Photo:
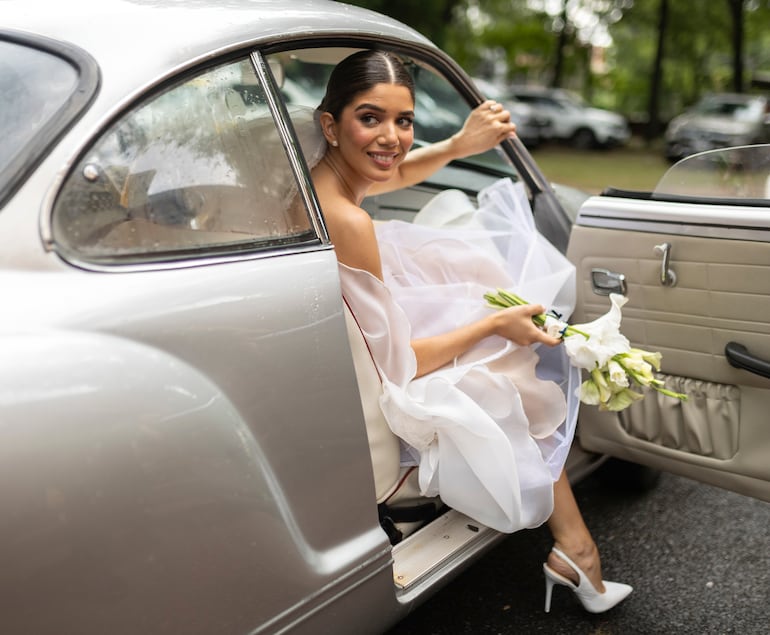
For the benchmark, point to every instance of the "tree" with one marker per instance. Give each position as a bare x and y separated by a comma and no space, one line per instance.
653,128
430,17
736,8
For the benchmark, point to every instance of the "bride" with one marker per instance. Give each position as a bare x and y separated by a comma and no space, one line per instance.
459,381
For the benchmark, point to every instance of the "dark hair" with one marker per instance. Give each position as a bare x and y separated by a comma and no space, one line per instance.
361,72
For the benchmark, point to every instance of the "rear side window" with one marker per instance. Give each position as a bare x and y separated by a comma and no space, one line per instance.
197,170
43,84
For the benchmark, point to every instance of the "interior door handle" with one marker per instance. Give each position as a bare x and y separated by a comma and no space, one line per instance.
667,275
605,282
739,357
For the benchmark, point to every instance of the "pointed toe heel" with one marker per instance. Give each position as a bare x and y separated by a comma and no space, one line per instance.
590,598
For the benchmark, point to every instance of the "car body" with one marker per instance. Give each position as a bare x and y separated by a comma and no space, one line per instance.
718,120
573,121
190,436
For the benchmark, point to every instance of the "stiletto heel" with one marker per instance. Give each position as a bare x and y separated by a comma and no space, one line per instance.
548,588
590,598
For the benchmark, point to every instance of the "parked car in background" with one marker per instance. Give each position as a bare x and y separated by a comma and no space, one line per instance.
190,435
574,121
718,120
532,127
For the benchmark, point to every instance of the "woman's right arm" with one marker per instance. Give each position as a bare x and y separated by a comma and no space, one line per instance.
514,323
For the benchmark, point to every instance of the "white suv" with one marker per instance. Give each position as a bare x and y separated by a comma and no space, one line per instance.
573,120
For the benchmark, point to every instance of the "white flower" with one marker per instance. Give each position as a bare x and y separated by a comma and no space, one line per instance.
617,374
589,393
605,339
553,326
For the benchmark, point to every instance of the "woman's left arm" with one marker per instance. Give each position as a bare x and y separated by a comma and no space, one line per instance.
486,126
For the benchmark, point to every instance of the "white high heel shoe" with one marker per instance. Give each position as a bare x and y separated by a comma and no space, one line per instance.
590,598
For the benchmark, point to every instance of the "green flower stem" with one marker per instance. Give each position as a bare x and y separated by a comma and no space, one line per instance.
655,384
504,299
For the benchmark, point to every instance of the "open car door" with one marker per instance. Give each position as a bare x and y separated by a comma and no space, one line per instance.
693,258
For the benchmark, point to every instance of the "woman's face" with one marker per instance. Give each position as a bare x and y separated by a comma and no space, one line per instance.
375,131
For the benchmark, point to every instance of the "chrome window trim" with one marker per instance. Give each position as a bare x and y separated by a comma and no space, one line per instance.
730,222
207,255
202,261
289,140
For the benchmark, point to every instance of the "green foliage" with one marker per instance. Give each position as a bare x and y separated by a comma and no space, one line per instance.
519,41
432,18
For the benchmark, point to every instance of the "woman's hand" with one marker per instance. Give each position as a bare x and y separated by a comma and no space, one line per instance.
515,323
486,126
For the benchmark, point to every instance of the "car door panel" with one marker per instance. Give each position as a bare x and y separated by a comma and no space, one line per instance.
721,295
219,416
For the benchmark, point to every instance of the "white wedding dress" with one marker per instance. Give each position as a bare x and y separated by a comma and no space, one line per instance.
491,431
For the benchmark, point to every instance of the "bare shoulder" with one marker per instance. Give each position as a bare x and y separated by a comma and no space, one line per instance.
351,231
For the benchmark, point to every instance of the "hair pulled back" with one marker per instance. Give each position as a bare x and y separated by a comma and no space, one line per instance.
360,72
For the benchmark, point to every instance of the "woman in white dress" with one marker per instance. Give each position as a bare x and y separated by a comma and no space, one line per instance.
459,382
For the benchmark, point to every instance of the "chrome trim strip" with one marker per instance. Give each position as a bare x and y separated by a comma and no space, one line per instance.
187,263
734,222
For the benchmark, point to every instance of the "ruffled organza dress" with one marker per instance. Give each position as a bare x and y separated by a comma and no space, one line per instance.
490,431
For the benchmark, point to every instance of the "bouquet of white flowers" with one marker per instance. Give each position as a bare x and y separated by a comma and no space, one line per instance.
600,349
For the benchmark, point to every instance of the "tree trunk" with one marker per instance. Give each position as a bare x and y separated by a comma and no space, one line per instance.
654,126
561,45
736,13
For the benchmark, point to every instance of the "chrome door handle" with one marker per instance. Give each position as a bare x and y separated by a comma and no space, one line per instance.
605,282
667,275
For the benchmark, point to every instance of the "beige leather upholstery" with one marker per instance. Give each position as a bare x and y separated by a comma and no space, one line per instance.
722,294
383,444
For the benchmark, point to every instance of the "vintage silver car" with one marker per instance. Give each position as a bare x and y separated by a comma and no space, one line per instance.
190,440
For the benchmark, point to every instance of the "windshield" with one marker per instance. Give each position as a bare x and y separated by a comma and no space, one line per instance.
729,173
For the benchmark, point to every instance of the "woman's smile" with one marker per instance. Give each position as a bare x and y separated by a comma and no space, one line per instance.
384,160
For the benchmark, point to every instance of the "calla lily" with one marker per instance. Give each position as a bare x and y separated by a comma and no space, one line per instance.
621,400
617,374
651,358
589,393
605,339
605,392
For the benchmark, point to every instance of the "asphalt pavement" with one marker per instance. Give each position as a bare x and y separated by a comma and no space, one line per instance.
697,556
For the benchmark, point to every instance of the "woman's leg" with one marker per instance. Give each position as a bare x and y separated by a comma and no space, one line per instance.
571,536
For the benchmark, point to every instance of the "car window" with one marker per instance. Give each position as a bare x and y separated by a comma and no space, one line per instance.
440,110
40,91
33,86
196,170
738,176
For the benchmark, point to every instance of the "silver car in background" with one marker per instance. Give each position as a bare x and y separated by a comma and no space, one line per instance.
718,120
190,436
574,121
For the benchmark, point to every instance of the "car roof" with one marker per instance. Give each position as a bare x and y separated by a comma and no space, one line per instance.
136,42
733,97
545,91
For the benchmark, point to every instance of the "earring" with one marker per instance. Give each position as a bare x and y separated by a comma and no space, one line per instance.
335,143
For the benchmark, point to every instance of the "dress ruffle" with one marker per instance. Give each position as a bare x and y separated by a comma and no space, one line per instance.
491,430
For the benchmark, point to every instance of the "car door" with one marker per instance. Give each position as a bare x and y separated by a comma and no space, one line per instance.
693,258
181,386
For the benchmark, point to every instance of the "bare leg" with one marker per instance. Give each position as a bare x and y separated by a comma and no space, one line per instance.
571,536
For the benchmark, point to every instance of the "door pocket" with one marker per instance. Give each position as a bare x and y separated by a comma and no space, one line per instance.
707,424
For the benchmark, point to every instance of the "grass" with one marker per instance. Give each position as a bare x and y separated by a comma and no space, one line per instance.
634,167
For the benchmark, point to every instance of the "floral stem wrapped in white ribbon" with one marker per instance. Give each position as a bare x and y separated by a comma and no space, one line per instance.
603,351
